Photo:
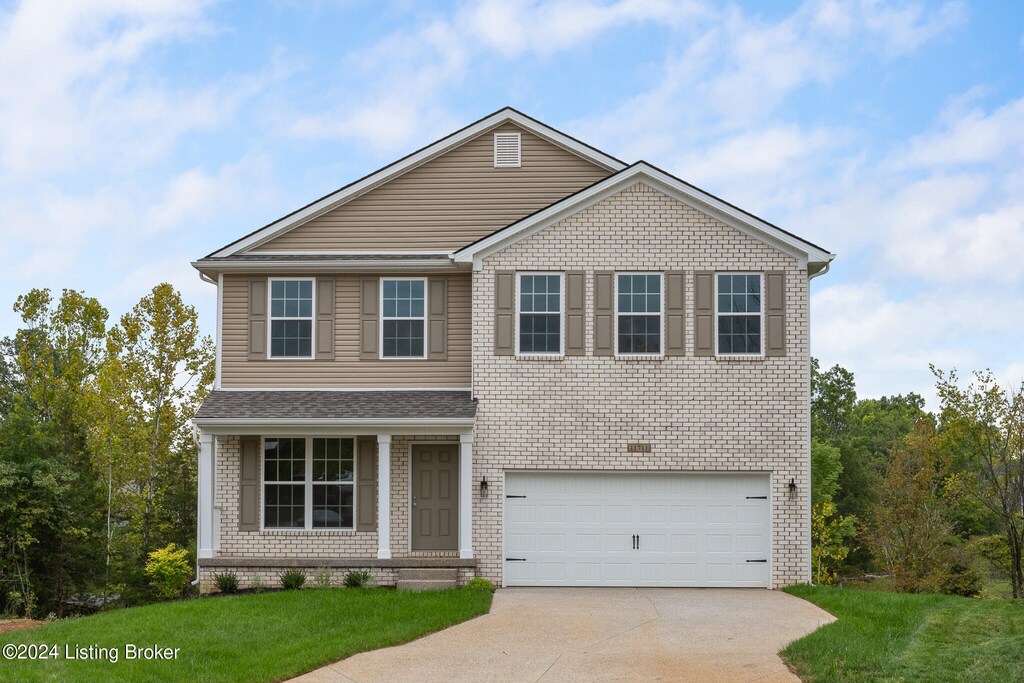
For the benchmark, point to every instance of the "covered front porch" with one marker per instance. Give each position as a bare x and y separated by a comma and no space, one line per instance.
329,480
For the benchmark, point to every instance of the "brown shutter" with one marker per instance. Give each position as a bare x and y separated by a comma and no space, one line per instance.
604,313
675,313
704,313
437,318
325,318
249,484
575,314
258,319
775,313
504,313
368,317
366,484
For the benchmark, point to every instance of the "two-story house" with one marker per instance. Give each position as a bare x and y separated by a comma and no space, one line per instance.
511,355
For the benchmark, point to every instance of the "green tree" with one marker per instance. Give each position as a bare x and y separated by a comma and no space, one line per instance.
833,396
910,529
826,466
987,421
157,371
49,489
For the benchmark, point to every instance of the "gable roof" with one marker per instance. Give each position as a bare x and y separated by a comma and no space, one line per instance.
420,156
662,181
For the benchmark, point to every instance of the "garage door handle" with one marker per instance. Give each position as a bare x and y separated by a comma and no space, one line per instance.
757,497
511,496
515,559
757,560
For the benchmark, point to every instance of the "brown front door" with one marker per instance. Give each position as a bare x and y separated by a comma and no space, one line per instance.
435,497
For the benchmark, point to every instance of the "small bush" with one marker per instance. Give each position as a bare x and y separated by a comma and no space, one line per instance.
226,582
257,583
322,577
359,579
956,579
479,583
168,570
293,579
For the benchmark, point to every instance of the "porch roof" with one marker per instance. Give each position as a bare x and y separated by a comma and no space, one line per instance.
343,406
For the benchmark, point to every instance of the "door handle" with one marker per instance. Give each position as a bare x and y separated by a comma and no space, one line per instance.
638,541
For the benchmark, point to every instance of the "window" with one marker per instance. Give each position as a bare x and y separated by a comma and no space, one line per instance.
638,313
507,150
739,313
291,318
540,314
403,323
308,483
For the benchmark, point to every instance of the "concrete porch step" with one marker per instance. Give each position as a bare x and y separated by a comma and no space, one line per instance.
428,574
423,585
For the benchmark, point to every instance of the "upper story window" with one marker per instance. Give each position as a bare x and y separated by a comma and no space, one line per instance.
540,314
507,150
403,319
308,483
638,311
291,318
739,313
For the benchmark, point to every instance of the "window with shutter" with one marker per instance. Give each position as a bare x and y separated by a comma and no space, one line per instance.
507,150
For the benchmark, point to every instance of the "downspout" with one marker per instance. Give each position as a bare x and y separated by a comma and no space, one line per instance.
810,544
195,438
199,523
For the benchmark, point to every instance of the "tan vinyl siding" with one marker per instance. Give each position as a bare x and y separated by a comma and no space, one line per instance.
346,370
447,202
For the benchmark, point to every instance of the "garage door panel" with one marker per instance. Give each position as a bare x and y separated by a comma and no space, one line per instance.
578,529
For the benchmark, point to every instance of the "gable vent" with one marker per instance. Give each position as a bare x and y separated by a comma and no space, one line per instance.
507,150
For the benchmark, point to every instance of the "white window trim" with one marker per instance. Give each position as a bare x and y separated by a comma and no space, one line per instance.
719,354
661,315
561,315
424,318
271,319
519,145
307,487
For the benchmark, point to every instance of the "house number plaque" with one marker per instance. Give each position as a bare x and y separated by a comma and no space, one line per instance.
638,448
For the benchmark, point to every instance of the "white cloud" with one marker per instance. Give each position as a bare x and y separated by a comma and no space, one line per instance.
970,137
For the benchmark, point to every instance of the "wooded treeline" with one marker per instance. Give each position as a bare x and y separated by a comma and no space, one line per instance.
97,458
933,502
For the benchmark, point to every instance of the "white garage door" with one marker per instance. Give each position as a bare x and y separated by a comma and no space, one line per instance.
647,529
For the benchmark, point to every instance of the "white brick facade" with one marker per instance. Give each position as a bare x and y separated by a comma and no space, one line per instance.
579,413
701,414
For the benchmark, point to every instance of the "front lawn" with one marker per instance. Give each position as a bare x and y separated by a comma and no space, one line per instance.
268,637
903,637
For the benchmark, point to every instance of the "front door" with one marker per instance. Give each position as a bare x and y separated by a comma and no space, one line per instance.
435,497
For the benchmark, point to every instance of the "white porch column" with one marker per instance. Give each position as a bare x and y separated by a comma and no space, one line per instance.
466,496
206,490
383,496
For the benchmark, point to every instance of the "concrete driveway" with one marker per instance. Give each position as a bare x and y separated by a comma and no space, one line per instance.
602,634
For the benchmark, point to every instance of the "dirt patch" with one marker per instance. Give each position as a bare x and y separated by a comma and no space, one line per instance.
10,625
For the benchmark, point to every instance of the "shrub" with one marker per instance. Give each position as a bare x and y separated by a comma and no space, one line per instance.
479,583
960,579
226,582
830,539
359,579
293,579
322,577
257,583
168,570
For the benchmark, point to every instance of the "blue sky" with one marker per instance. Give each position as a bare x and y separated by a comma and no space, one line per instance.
138,135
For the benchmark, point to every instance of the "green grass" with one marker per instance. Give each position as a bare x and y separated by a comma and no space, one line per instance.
902,637
268,637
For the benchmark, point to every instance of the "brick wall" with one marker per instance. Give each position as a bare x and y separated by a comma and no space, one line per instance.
701,414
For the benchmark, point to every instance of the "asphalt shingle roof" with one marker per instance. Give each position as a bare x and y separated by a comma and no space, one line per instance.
289,405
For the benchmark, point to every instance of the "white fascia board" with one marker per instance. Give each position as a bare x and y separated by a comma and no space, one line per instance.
354,427
313,266
387,173
660,181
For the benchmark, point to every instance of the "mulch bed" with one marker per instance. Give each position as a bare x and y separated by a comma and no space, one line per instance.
9,625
